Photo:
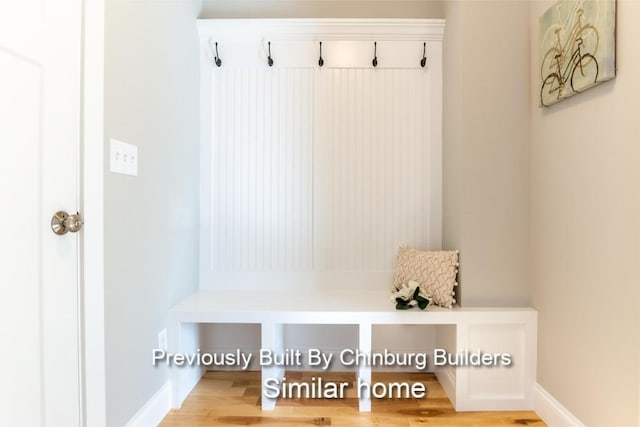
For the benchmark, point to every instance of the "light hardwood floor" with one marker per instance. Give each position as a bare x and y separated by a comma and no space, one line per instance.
233,399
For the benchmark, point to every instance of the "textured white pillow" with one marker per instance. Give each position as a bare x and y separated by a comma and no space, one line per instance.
435,271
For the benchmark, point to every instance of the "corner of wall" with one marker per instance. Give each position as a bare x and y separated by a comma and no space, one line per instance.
486,150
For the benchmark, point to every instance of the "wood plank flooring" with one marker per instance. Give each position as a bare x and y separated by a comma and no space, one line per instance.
224,398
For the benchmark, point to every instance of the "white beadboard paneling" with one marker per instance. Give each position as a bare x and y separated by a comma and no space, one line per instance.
261,175
318,171
372,166
312,177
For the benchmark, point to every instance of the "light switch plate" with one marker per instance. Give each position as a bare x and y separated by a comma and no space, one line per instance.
123,158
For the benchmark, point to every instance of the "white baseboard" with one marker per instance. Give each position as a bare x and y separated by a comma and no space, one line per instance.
552,412
154,410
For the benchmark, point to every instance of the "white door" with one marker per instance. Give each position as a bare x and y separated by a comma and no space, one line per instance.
39,279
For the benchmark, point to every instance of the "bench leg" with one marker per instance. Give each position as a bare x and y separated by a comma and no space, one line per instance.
364,369
184,338
272,339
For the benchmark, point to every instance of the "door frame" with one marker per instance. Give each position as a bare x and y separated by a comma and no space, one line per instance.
91,189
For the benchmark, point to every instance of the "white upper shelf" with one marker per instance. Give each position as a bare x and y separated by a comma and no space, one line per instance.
346,43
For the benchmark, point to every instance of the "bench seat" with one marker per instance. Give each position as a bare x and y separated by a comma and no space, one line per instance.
460,329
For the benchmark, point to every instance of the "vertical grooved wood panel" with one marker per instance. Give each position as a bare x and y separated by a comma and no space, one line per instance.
373,163
262,166
319,170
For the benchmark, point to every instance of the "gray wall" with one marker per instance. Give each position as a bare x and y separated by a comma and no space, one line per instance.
322,9
585,235
151,221
486,149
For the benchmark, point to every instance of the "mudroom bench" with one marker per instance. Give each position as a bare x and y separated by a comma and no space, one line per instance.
458,330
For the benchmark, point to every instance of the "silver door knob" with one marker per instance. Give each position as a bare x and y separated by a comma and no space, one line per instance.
62,222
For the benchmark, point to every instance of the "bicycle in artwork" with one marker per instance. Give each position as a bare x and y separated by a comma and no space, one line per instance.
581,71
570,66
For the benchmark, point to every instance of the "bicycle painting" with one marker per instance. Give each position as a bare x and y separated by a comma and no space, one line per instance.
577,48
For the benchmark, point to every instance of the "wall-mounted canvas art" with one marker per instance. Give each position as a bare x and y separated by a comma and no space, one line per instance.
577,47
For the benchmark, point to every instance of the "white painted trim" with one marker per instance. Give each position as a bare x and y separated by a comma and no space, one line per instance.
347,43
447,378
93,357
154,410
322,29
552,412
205,163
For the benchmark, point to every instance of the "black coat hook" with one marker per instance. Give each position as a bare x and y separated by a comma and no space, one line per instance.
423,61
218,61
321,61
269,59
375,54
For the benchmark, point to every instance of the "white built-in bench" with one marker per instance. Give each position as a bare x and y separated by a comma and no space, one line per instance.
304,196
491,330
